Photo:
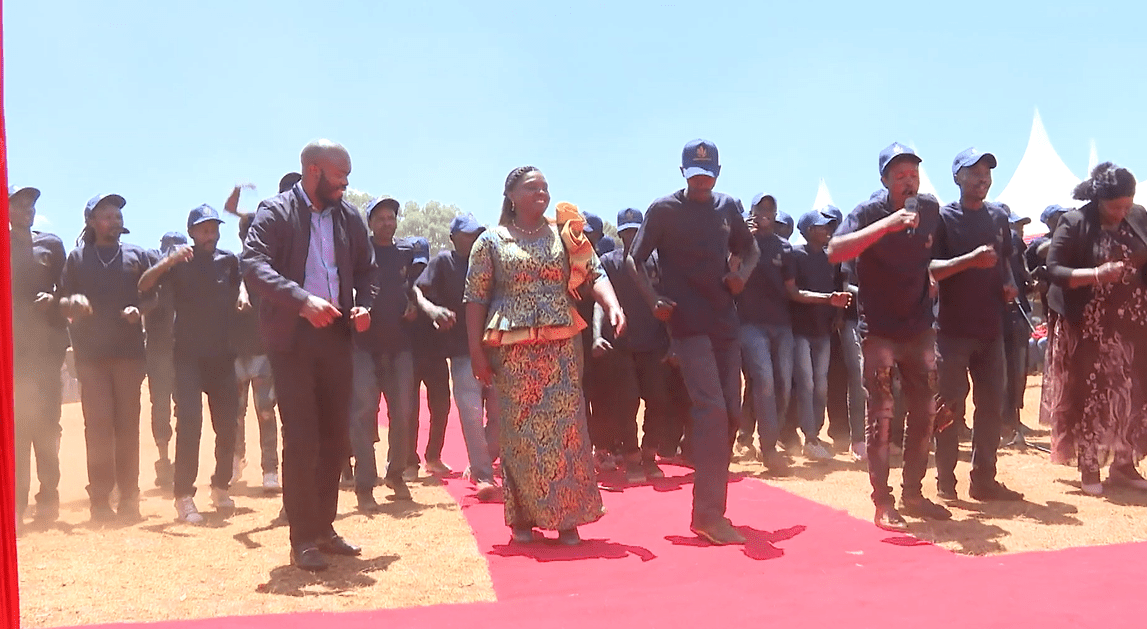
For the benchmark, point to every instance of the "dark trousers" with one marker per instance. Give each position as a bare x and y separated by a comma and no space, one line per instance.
313,382
161,390
37,387
631,377
1016,337
837,401
678,433
194,376
916,359
435,374
984,362
109,397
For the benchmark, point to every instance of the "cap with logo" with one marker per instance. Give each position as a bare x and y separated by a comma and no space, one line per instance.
783,219
1013,218
970,157
1051,211
833,211
465,224
418,246
374,203
15,190
593,223
761,197
629,218
95,201
893,151
202,214
814,218
699,157
170,240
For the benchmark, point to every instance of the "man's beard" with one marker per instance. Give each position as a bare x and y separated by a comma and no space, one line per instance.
326,191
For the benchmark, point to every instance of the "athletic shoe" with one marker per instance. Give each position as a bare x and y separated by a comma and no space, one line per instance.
221,499
271,483
185,510
859,451
889,519
488,492
776,463
1127,476
995,490
947,492
816,452
401,491
410,473
237,469
921,507
720,533
164,473
437,467
49,512
744,451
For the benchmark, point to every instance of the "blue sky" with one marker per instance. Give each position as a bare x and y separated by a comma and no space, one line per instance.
170,104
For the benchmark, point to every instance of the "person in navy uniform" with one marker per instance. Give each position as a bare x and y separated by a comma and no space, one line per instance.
204,283
309,258
159,344
893,246
99,295
430,369
39,342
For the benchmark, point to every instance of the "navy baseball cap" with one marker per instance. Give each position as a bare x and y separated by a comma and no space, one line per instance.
1015,219
377,201
202,214
420,247
699,157
15,190
894,150
605,245
466,224
593,223
1050,211
970,157
813,218
100,198
288,181
783,219
170,240
761,197
629,218
833,211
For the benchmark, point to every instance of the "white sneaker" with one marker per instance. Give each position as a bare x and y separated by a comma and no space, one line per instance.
817,452
237,469
271,482
221,499
859,451
185,510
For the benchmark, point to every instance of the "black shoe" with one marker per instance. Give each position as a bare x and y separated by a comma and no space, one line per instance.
921,507
889,519
102,513
336,545
401,491
993,490
47,512
367,503
128,511
164,473
308,558
947,492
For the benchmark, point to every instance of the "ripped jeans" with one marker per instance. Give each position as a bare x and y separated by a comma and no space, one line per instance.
916,360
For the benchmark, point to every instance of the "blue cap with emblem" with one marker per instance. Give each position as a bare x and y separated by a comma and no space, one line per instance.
699,157
814,218
420,247
170,240
1051,212
95,201
465,224
970,157
629,218
893,151
32,192
202,214
593,223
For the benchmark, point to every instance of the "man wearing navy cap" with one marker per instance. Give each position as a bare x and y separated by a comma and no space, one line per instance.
439,294
785,226
204,284
159,326
891,236
972,247
39,342
1017,334
309,258
694,230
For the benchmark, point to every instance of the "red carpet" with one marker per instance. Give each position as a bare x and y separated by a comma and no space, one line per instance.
805,565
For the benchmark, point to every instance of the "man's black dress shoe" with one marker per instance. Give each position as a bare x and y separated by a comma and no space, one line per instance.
336,545
308,558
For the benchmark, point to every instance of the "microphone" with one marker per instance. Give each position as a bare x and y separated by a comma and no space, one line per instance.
911,205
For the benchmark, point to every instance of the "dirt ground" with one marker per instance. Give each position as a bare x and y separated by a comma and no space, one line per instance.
74,573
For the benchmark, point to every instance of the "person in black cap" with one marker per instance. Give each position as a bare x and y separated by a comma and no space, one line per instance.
159,341
204,283
39,342
99,295
891,234
308,256
384,364
694,230
438,291
971,251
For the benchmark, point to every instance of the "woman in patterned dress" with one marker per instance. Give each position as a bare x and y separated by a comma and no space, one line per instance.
523,332
1095,382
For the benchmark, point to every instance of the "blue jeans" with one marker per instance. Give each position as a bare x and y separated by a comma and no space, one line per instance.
254,373
470,396
810,382
376,376
711,370
854,363
767,360
984,362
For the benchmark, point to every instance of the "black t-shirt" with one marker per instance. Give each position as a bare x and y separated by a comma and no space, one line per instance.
36,268
971,301
693,241
1019,276
109,278
388,333
204,291
443,282
813,272
644,332
765,299
893,271
247,337
159,322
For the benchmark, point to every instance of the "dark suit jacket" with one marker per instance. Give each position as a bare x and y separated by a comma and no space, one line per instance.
275,257
1074,246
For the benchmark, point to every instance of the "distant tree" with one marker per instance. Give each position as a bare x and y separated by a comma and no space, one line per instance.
357,198
431,221
610,230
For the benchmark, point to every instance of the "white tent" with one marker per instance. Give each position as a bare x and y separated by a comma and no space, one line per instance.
926,186
823,197
1141,193
1040,180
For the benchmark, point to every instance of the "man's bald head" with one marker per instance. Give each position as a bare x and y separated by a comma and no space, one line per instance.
326,167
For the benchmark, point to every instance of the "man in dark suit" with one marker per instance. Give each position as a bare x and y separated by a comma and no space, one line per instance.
308,257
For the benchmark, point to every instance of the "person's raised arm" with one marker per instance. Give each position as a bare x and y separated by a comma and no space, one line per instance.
850,245
155,272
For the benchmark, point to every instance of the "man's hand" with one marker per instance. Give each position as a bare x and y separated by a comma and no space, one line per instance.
360,318
130,314
243,304
984,257
182,253
600,347
319,312
443,318
79,306
840,300
44,301
663,309
480,365
1111,271
616,317
734,282
902,219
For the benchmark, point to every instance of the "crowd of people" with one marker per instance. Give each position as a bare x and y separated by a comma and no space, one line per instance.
550,336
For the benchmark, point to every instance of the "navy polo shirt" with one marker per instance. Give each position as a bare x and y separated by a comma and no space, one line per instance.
813,272
388,333
1019,252
108,277
36,268
443,282
159,322
693,241
765,299
972,300
204,291
644,333
893,271
247,338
